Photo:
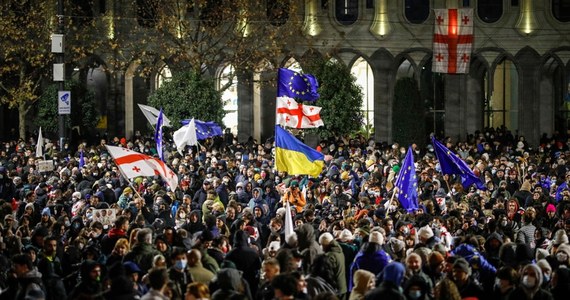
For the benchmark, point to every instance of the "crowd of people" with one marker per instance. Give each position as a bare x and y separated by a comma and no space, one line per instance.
83,231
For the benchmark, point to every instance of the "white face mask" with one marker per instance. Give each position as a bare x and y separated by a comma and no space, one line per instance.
561,257
529,282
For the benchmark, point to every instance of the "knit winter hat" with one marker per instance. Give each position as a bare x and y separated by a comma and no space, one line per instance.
397,245
46,212
434,259
346,236
462,264
425,232
550,208
376,237
560,237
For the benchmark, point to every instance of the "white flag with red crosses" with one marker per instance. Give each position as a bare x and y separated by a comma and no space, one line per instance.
452,40
296,115
134,164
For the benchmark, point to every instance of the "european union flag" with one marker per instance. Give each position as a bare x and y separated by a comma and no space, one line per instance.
451,164
407,183
205,130
296,85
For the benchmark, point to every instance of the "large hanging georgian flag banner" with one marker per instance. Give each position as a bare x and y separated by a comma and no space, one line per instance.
296,115
453,40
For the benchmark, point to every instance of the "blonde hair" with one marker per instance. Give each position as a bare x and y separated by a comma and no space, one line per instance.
122,242
198,290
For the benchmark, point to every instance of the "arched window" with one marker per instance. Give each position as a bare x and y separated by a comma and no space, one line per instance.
164,75
406,69
416,11
502,105
365,79
277,11
561,10
433,95
346,11
490,11
146,13
293,64
230,97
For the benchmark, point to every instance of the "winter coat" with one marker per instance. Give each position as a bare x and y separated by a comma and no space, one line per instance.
142,254
370,260
361,280
246,259
336,257
308,245
31,282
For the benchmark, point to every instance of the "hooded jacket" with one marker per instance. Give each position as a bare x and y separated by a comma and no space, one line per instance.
535,292
361,280
245,258
393,275
336,257
371,258
30,282
308,245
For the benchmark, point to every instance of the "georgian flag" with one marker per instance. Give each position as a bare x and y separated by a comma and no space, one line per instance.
453,40
133,164
296,115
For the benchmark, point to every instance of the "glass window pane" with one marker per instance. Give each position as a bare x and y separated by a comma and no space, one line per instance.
346,11
417,11
561,10
489,11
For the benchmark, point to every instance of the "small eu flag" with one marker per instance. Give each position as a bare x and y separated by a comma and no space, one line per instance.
296,85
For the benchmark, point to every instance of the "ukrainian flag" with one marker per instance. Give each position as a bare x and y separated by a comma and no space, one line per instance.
294,157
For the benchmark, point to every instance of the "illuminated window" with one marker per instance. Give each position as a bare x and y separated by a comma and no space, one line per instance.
489,11
164,75
365,79
502,106
346,11
230,97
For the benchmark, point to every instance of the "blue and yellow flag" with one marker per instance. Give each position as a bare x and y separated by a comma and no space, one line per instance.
294,157
407,183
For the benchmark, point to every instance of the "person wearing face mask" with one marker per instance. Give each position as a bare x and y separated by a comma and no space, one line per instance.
505,283
416,288
530,285
179,273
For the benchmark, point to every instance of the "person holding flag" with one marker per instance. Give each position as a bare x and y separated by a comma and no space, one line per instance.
406,184
452,164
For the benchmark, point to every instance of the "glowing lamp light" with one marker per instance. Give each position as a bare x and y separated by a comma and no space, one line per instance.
381,23
527,22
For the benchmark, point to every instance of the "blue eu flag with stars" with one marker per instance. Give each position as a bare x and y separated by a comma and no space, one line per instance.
407,183
296,85
451,164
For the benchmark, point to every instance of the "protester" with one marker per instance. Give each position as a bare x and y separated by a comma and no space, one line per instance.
81,221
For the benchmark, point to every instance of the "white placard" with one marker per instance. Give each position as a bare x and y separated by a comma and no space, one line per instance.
106,216
45,165
64,102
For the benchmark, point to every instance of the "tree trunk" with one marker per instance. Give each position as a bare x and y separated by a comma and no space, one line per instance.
22,112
